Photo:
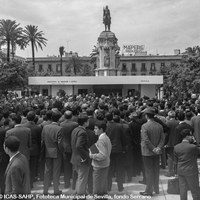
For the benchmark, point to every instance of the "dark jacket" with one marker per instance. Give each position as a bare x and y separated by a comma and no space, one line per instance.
117,137
24,135
79,143
68,126
35,138
185,157
152,136
178,138
171,134
17,176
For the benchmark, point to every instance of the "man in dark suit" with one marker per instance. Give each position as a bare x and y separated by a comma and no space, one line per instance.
152,141
135,126
17,173
196,125
182,125
118,140
47,120
35,144
52,136
23,134
80,154
172,123
185,157
92,138
4,159
68,126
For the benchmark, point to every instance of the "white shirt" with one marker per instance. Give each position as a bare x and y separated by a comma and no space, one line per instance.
13,156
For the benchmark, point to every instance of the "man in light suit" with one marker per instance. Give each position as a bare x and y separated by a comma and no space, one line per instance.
152,141
23,134
185,157
17,173
52,136
196,125
68,126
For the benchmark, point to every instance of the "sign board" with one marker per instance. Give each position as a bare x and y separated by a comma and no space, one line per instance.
94,80
131,49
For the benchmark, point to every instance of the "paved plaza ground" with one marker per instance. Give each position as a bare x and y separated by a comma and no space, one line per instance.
131,190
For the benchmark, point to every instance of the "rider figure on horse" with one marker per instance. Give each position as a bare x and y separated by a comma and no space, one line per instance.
106,18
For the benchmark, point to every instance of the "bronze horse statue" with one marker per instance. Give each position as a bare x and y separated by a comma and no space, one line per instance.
106,18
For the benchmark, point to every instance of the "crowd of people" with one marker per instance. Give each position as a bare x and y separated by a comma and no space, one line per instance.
91,140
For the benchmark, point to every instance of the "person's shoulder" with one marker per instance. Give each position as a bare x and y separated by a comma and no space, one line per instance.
177,146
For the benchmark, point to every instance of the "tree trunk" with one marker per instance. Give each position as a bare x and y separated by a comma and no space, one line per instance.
8,50
33,54
61,69
13,51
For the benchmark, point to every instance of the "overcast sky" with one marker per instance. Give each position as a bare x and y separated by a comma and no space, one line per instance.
160,25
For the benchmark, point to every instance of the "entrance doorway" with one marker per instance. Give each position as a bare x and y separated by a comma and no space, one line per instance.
44,92
107,90
83,91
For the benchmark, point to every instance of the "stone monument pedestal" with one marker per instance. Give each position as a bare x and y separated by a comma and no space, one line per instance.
108,48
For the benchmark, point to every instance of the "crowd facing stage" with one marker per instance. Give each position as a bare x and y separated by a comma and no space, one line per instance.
92,140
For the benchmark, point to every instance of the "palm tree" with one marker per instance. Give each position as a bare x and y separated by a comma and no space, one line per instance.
35,37
10,33
193,50
17,39
61,51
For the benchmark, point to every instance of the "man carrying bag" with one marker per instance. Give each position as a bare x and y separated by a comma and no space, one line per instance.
185,157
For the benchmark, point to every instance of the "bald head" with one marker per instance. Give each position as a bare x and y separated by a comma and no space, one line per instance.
68,114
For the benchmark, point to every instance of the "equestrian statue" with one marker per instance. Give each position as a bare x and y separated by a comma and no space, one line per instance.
106,18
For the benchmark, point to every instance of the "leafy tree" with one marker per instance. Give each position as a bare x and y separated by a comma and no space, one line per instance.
87,70
61,93
75,64
184,78
11,35
13,75
192,51
35,37
61,51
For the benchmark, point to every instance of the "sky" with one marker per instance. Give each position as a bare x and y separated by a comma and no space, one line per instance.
160,25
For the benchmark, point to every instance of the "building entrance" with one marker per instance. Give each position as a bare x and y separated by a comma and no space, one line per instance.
107,90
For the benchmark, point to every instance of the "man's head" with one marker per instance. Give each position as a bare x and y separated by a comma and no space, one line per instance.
11,144
185,132
56,115
149,113
100,127
68,114
83,120
198,108
31,116
171,114
48,114
109,116
16,119
187,135
181,116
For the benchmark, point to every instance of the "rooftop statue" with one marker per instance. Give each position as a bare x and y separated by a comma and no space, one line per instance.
106,18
